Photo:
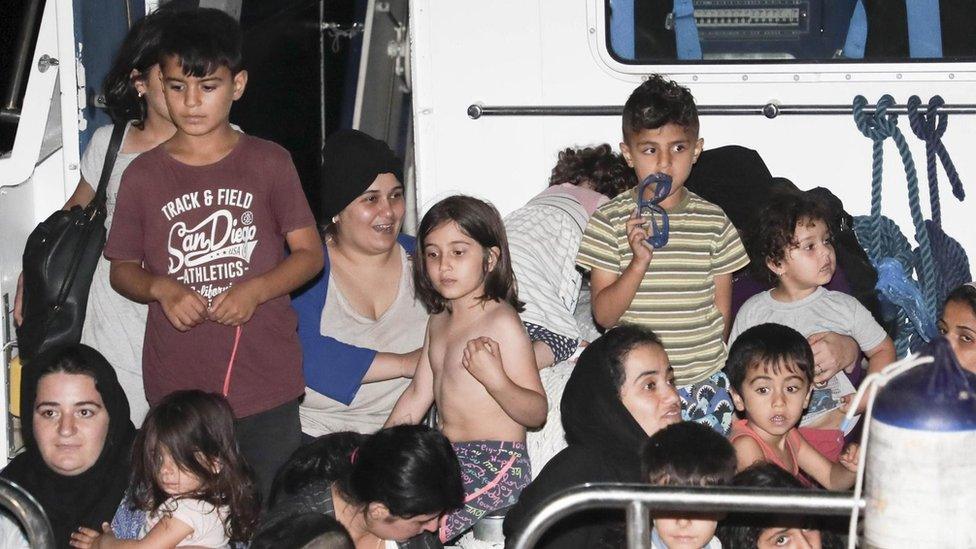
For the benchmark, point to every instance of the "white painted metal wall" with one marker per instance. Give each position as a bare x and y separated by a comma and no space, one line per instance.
31,186
552,52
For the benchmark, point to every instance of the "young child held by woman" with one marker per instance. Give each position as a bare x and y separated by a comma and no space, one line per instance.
687,454
188,477
771,369
793,249
477,363
958,324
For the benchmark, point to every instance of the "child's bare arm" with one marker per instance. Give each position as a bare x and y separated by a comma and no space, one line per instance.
183,307
881,356
747,453
613,293
507,370
166,534
237,305
878,357
832,476
723,301
413,404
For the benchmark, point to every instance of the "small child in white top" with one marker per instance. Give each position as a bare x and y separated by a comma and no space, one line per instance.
189,478
793,248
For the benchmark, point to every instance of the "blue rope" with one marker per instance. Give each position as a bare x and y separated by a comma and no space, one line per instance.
948,253
930,128
878,127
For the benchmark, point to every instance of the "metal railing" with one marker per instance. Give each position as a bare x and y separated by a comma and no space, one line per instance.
28,513
769,110
640,500
10,109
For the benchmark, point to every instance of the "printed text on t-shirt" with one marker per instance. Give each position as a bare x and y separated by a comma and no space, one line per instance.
209,255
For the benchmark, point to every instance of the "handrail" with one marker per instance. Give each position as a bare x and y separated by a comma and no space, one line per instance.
769,110
28,512
639,499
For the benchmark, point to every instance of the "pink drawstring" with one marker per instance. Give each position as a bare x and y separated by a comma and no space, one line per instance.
230,364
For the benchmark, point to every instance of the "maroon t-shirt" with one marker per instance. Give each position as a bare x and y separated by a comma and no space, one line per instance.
210,227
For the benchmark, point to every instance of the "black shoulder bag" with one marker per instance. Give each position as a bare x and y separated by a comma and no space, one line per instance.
59,263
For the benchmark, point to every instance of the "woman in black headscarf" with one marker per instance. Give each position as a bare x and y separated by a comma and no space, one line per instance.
77,437
621,392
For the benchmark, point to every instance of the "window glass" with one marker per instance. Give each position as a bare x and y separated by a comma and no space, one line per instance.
750,31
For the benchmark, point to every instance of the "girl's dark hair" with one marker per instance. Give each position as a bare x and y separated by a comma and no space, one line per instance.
599,167
771,238
688,454
139,51
411,469
614,346
772,346
656,103
480,221
964,294
299,531
204,40
197,430
742,530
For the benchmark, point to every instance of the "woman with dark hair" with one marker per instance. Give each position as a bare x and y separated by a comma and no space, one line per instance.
77,440
391,486
133,93
360,326
621,392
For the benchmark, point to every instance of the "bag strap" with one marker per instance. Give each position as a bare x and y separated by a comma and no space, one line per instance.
114,144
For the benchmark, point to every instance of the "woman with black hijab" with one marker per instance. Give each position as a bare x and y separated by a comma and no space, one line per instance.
621,392
77,437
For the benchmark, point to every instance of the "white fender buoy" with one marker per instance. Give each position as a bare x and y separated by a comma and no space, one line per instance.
920,480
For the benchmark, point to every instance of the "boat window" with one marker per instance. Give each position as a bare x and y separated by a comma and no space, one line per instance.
790,31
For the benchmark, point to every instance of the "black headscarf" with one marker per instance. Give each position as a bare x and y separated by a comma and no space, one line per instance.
351,160
594,416
604,446
92,497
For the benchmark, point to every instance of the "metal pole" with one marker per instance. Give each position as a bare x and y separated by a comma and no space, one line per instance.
666,498
18,67
769,110
638,526
28,513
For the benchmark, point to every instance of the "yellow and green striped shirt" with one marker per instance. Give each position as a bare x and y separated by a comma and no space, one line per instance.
676,298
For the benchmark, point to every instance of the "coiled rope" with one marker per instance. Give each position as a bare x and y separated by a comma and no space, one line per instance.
950,257
880,233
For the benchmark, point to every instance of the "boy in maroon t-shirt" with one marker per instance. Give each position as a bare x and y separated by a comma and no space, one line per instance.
199,234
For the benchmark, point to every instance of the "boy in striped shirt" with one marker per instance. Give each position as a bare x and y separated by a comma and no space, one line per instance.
682,290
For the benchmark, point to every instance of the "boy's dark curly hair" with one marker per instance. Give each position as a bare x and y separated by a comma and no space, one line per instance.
771,237
658,102
598,168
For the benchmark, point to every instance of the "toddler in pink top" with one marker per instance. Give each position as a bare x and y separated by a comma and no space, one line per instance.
771,370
